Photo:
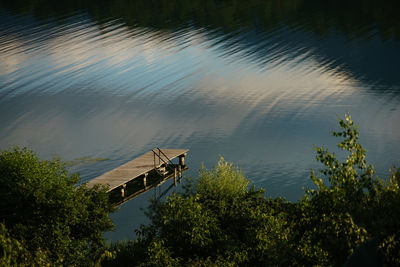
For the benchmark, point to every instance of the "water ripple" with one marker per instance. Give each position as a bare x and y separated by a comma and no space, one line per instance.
260,97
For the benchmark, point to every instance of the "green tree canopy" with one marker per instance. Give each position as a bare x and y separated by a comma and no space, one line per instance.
42,207
350,217
219,220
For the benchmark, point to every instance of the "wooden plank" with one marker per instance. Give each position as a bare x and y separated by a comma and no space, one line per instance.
135,168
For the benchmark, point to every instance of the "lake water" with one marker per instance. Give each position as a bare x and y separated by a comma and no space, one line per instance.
257,82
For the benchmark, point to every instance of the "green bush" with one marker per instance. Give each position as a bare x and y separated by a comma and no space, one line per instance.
14,252
41,206
220,221
351,207
352,216
224,181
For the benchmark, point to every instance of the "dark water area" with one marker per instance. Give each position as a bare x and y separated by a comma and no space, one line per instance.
257,82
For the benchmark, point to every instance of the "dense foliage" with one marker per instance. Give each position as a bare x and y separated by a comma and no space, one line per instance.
43,212
351,217
350,207
219,220
14,253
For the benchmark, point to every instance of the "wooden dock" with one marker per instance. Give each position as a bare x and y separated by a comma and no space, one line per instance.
157,162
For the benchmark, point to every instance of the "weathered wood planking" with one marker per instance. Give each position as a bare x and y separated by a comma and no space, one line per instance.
135,168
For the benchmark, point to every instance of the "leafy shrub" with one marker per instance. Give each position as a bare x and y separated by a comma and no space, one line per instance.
224,181
221,221
41,206
14,252
351,207
351,217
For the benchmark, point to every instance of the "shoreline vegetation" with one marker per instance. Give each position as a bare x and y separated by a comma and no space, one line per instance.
351,217
228,15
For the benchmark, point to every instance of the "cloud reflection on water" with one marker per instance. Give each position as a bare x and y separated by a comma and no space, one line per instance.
113,71
80,89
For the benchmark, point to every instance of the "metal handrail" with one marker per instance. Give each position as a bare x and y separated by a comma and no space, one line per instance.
168,159
160,158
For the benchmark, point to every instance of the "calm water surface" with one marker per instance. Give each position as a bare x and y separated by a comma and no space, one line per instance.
259,83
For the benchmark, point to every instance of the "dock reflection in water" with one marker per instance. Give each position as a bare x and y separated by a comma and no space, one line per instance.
142,173
136,187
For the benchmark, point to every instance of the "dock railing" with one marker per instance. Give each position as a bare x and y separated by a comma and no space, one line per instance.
160,159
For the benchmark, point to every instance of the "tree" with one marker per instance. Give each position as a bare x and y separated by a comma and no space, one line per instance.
349,207
42,206
219,220
15,253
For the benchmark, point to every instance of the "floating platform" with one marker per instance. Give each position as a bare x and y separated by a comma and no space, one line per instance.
142,173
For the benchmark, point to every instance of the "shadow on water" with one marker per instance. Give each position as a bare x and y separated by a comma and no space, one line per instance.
143,184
